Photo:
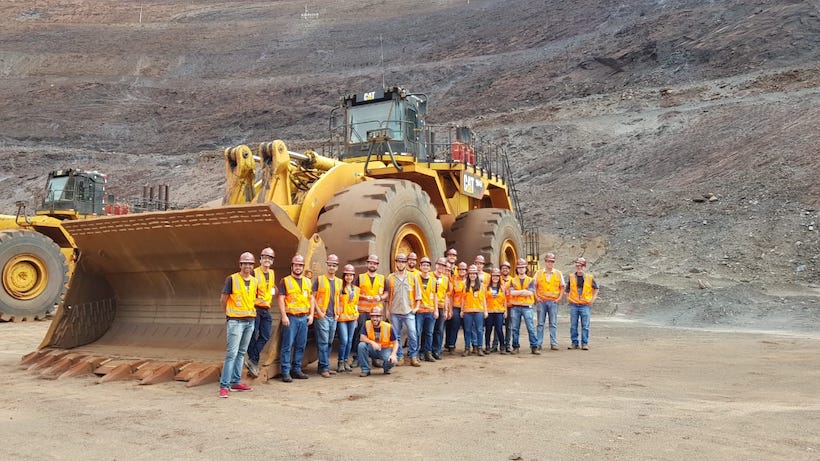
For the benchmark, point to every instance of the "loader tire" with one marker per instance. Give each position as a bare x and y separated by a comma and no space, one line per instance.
34,274
491,232
382,217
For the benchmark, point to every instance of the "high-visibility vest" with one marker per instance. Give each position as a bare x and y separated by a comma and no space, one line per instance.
323,290
442,290
384,333
428,294
266,287
548,289
586,292
474,300
348,304
411,281
241,300
496,302
370,288
516,284
297,295
459,284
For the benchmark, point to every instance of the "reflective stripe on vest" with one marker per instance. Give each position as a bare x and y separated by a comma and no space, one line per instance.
515,284
548,290
496,302
384,333
240,301
442,290
297,299
348,305
368,288
323,290
586,294
266,287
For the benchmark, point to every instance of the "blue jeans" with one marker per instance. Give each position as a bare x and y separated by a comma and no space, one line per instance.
294,339
545,309
507,333
517,312
346,330
363,317
453,325
576,312
473,329
237,337
425,324
366,351
261,334
494,320
438,332
325,331
407,321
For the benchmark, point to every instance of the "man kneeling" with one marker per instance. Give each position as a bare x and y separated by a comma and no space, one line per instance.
377,342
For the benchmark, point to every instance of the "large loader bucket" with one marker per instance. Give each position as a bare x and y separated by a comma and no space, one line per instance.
147,286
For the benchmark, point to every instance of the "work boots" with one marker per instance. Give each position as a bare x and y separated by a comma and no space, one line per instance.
478,351
535,351
428,357
348,366
340,367
466,352
415,362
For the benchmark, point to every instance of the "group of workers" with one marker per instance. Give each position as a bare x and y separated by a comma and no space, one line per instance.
429,302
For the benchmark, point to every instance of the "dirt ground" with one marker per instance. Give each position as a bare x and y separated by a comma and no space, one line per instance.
641,392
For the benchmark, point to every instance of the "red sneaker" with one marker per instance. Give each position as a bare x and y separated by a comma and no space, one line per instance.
223,392
241,387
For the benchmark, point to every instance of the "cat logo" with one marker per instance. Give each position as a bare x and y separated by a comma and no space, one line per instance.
472,185
369,96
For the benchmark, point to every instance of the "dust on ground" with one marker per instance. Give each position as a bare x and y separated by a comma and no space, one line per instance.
641,392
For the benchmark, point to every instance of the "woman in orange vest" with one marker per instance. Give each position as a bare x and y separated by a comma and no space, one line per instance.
347,315
496,310
474,312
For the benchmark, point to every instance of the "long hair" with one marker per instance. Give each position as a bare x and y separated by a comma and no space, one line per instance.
469,285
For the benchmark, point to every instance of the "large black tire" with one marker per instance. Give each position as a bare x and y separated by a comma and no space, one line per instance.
34,275
491,232
382,217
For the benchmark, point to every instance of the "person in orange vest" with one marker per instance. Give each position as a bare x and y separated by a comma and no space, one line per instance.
377,341
505,282
549,289
443,301
296,306
582,291
347,315
521,299
327,289
237,300
266,283
428,312
483,276
452,257
458,282
474,312
496,310
371,290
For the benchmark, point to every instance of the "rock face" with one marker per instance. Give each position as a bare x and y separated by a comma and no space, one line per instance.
655,136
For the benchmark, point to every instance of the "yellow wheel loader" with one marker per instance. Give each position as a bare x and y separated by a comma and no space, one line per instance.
37,255
144,299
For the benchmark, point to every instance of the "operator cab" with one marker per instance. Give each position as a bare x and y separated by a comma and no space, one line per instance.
73,193
389,120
